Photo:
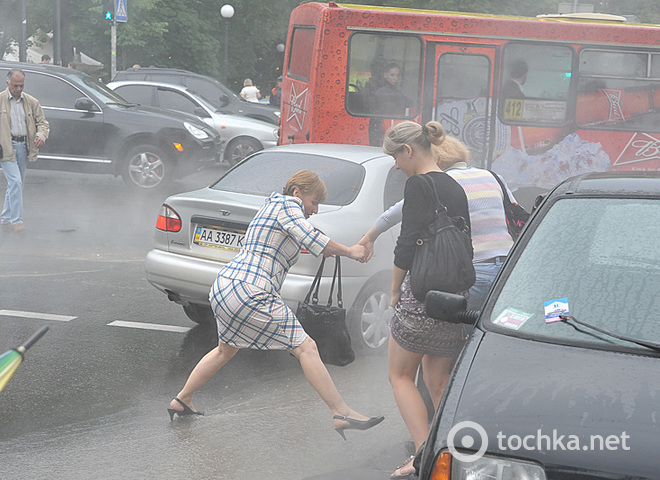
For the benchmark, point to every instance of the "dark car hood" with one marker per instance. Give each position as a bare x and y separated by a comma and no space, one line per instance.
522,387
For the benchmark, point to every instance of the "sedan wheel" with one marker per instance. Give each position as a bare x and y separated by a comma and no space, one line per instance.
240,148
201,314
146,167
371,319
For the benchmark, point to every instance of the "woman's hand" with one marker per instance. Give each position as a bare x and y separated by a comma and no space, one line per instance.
369,248
357,252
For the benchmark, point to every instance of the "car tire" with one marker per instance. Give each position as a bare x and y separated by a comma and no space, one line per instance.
369,321
146,168
201,314
239,148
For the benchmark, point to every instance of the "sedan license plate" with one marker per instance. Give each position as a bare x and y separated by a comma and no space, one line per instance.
214,237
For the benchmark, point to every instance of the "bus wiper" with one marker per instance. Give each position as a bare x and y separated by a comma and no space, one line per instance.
650,345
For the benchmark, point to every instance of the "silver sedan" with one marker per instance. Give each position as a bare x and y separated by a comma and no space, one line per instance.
242,135
198,232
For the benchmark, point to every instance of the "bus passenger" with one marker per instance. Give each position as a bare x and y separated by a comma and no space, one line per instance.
513,88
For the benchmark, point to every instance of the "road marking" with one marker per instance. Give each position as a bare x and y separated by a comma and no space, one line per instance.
41,316
149,326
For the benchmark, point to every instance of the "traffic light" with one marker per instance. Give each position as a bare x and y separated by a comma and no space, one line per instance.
108,15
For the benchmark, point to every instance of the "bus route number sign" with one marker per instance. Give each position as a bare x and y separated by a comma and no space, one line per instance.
513,109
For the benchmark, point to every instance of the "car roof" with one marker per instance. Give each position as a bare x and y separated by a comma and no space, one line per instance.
351,153
175,86
611,184
41,67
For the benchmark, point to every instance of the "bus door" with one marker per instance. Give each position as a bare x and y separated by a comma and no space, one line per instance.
458,85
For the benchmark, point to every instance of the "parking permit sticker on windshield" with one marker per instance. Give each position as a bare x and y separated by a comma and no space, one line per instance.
512,318
553,308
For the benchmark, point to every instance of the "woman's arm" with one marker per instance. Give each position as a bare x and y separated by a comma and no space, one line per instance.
385,221
356,252
397,280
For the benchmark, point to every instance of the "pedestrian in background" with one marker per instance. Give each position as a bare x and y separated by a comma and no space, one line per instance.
23,131
276,93
250,92
45,58
415,338
249,310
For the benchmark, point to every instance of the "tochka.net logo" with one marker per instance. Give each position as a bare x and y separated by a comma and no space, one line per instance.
541,440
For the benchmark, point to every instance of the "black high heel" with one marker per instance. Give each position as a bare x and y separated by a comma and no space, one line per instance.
182,413
354,424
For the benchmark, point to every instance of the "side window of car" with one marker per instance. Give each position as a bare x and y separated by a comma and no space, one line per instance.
394,185
205,88
165,78
51,91
173,100
141,94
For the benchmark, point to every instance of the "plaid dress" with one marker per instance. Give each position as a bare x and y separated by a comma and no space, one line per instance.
249,310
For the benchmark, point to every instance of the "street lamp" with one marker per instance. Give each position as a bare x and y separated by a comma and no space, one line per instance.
227,11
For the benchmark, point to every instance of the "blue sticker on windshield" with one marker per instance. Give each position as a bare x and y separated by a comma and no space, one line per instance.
554,308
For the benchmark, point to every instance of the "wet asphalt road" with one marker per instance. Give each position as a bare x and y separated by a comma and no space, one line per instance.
90,399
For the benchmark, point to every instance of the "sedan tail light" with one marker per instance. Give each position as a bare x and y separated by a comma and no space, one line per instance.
168,220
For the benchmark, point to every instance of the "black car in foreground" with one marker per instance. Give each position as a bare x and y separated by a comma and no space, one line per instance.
94,130
560,378
222,98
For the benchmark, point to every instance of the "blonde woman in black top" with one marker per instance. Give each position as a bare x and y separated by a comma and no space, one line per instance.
416,338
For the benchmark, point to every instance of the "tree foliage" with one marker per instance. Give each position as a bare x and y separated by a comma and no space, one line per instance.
190,34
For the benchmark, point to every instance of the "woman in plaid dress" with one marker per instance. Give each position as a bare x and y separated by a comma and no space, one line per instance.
249,310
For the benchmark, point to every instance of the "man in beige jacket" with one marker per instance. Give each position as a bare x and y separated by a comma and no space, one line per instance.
23,131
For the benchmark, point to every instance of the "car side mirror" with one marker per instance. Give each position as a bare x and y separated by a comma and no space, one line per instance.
224,100
201,113
84,103
450,308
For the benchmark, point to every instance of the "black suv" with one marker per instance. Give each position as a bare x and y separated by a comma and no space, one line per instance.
212,90
94,130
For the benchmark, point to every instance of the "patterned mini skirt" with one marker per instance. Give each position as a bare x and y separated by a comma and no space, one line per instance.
413,330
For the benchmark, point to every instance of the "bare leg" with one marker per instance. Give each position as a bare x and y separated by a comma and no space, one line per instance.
319,378
436,375
402,366
203,371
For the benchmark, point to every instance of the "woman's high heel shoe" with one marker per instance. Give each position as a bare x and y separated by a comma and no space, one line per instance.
354,424
182,413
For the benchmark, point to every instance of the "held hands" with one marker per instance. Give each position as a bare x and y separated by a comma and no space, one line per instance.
369,249
357,252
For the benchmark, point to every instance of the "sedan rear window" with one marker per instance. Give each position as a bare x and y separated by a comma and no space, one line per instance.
598,257
267,172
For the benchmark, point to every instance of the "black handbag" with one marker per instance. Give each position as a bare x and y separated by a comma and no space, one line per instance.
443,256
516,216
326,324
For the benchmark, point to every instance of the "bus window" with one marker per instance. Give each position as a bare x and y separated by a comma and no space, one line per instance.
300,57
535,84
384,75
618,90
462,99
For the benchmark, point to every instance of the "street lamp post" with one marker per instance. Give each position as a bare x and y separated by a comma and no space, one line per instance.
227,11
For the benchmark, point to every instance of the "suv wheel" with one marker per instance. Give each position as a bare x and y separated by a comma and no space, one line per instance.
240,148
146,167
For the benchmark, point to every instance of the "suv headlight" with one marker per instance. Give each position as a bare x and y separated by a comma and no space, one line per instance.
198,133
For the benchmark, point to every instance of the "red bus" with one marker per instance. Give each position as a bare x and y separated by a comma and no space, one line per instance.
535,99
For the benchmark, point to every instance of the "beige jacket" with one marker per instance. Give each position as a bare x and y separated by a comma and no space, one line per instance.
37,125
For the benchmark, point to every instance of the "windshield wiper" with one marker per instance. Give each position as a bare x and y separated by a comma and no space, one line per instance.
650,345
124,104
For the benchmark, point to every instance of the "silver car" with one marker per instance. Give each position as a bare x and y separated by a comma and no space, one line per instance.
198,232
242,135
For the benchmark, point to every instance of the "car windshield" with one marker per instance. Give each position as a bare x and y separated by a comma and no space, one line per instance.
268,172
600,259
